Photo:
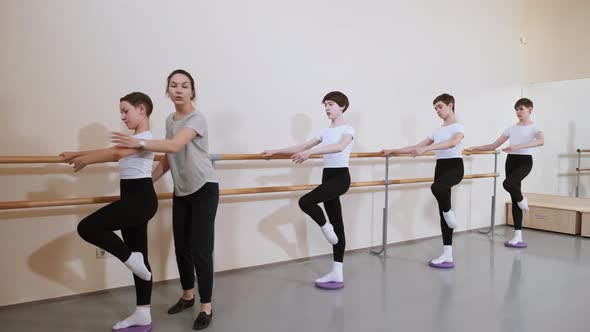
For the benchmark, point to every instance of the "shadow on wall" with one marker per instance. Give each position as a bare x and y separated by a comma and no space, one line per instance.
399,217
56,259
273,224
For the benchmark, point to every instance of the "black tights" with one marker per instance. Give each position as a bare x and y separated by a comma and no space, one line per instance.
517,168
130,214
447,173
335,182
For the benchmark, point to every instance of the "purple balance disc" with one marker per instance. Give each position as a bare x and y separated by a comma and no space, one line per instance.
519,245
443,265
135,328
329,285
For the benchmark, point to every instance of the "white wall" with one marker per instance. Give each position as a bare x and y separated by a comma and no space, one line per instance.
558,40
561,109
261,70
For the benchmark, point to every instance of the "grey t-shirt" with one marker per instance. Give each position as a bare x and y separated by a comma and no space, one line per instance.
190,166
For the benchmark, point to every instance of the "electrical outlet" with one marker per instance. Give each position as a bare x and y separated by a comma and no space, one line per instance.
101,253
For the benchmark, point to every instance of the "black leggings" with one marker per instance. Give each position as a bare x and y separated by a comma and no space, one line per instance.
517,168
193,223
130,214
447,173
335,182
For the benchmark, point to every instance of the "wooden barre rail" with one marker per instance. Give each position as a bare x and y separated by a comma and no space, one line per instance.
582,169
58,159
42,159
223,192
583,150
352,155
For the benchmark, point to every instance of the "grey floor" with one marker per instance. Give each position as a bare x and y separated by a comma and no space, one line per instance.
493,288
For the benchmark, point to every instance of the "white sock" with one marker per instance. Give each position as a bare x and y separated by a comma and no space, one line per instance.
137,266
447,256
524,204
335,275
141,317
517,237
450,218
328,231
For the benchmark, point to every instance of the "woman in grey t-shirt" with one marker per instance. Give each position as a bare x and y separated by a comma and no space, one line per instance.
196,192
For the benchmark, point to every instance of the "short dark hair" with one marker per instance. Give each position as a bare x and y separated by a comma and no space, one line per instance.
446,99
523,102
339,98
139,98
185,73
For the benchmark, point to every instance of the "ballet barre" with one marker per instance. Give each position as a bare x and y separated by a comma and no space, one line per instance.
159,157
214,157
386,183
383,250
579,169
223,192
44,159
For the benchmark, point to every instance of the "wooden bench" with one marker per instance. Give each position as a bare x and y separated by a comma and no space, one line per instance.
560,214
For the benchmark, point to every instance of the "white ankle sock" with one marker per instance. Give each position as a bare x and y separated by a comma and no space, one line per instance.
517,237
141,317
329,233
447,256
335,275
450,218
524,204
137,266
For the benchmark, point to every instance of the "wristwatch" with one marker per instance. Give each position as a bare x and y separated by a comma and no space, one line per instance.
142,143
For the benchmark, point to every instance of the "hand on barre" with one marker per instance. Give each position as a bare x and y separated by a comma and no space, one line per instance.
68,156
418,151
79,163
412,151
387,152
300,157
267,153
77,159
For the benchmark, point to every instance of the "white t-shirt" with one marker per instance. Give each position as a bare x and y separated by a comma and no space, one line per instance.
522,134
139,165
444,134
333,136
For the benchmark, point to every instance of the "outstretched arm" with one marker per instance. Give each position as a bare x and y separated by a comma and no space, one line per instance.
172,145
292,149
488,147
408,149
81,159
450,143
326,149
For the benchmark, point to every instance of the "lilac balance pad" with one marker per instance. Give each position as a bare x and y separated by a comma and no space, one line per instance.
329,285
135,328
443,265
519,245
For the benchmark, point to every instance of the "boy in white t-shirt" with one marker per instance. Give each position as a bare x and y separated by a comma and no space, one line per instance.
130,214
449,170
524,135
336,143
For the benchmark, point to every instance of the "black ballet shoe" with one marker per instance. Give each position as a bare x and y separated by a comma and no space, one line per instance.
181,305
203,320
